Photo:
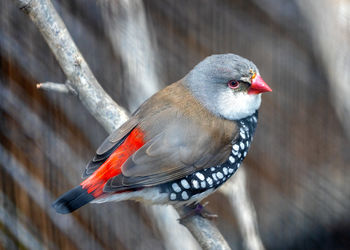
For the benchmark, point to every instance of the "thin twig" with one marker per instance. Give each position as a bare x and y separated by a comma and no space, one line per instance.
95,99
52,86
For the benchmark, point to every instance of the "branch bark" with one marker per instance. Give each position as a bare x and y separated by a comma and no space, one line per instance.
95,99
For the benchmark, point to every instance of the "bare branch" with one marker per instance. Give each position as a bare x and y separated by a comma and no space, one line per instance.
165,219
203,230
236,192
331,39
128,31
64,88
96,100
109,114
52,86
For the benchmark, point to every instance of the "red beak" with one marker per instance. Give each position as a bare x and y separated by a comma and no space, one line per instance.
258,86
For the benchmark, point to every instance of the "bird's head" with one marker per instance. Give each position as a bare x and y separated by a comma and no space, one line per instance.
228,85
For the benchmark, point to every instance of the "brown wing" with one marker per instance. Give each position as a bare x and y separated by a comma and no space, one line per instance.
182,137
112,142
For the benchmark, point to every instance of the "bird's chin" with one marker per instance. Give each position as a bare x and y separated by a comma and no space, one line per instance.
237,106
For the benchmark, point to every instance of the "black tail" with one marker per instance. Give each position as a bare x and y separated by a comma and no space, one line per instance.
72,200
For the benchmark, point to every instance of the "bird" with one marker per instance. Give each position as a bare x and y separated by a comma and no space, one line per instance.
182,143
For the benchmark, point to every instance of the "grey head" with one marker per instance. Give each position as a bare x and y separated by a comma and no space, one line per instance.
221,83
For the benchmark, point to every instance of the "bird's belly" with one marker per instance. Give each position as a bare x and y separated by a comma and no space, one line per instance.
152,195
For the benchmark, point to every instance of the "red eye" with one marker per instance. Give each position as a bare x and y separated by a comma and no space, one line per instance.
233,84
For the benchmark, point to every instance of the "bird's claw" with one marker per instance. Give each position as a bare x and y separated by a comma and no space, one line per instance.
198,209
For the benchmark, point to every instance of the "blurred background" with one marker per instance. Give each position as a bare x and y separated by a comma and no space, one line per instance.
297,170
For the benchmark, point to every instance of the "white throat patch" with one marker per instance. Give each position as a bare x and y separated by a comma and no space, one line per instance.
236,106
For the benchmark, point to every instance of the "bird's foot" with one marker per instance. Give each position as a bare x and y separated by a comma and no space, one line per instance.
198,209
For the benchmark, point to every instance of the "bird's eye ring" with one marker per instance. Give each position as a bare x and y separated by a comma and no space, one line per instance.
233,84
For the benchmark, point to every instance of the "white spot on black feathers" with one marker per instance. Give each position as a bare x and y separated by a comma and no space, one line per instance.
185,184
176,187
219,175
231,159
172,196
200,176
195,184
210,181
184,195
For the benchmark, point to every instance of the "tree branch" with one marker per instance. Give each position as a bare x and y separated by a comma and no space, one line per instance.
95,99
236,192
109,114
129,34
331,40
205,232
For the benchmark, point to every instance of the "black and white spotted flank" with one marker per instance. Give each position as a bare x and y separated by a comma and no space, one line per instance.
211,178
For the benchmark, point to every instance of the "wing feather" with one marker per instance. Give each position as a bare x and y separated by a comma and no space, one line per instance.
189,138
112,142
181,138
